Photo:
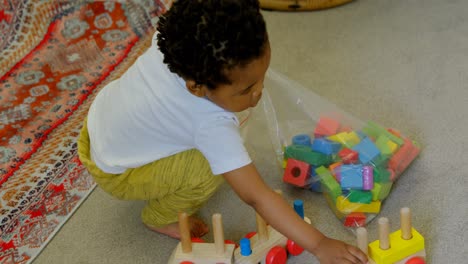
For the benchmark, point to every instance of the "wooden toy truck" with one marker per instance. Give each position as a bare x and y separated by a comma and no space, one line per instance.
404,246
187,252
268,246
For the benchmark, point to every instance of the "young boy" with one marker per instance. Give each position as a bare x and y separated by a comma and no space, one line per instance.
165,131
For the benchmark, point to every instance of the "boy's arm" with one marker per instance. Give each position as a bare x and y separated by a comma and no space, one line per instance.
250,187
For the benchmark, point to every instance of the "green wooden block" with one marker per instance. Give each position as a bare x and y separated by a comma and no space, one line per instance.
381,174
328,183
382,144
385,191
374,131
358,196
381,190
305,154
381,161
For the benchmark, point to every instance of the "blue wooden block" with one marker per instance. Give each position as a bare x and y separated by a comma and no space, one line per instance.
351,177
301,139
325,146
315,185
367,150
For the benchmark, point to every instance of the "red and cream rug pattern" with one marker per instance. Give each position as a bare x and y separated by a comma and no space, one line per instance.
55,56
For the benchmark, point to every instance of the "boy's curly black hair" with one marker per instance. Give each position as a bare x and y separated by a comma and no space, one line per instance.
201,39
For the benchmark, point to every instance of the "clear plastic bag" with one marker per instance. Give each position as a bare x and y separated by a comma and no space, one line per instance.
322,148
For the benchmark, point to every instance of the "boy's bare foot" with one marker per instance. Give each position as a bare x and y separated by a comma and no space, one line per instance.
198,228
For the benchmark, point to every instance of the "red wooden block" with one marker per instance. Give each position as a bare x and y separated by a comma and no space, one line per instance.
297,173
348,156
326,127
355,220
403,157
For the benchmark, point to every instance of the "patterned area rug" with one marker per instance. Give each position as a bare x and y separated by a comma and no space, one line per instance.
54,57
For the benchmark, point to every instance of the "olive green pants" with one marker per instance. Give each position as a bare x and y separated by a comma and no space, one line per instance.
179,183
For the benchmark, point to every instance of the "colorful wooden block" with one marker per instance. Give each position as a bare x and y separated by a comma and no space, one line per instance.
329,184
367,178
403,157
381,161
348,156
381,190
351,177
368,151
356,196
331,201
325,146
326,126
345,206
385,145
355,220
305,154
314,180
335,170
381,174
301,139
347,139
297,173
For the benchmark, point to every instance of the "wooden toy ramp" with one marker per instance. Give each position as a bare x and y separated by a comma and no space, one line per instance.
300,5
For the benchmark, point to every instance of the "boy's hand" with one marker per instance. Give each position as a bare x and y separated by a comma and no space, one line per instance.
331,251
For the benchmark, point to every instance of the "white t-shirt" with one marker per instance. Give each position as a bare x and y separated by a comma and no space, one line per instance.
148,114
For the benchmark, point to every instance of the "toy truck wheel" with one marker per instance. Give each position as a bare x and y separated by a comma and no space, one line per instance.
276,255
293,248
250,235
197,240
415,260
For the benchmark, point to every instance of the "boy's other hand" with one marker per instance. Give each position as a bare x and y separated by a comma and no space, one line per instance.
331,251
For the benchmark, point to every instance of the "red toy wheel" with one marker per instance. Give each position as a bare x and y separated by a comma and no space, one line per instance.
293,248
227,241
416,260
197,240
250,235
276,255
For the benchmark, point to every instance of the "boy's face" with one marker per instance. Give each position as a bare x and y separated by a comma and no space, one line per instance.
246,88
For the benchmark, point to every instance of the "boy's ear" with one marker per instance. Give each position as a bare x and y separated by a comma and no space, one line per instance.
195,88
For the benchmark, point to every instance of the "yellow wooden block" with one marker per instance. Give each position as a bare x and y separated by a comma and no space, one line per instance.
392,146
332,205
348,139
399,248
345,206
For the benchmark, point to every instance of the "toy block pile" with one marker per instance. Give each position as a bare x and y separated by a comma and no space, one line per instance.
355,169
